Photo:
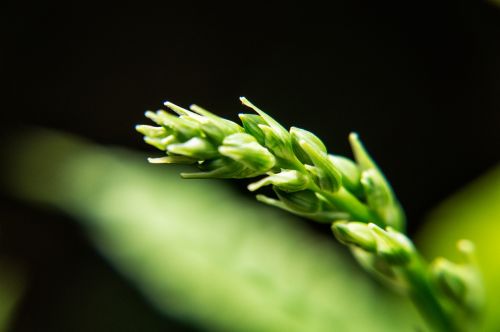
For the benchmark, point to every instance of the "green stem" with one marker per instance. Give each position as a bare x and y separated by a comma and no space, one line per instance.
424,297
345,201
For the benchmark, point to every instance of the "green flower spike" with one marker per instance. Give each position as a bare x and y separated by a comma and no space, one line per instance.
353,196
292,161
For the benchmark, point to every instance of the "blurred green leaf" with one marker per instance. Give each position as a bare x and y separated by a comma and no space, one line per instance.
196,251
473,213
12,285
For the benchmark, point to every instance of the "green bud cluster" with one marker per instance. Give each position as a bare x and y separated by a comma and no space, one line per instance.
220,148
459,283
353,195
307,179
387,244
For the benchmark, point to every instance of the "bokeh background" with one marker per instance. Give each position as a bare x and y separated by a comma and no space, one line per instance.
420,82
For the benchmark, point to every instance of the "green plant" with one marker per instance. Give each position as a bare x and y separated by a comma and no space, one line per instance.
354,196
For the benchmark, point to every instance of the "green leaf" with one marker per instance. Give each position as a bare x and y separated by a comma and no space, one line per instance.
196,251
12,286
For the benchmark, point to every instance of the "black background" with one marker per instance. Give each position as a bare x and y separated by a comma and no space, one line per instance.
420,82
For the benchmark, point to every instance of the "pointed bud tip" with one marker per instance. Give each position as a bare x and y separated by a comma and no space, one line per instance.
340,226
248,103
253,187
353,136
261,197
161,160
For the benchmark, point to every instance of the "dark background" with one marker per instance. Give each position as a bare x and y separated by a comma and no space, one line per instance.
420,82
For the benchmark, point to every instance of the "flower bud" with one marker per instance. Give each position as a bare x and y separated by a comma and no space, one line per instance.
172,160
156,142
362,156
153,116
221,168
355,233
298,135
279,129
195,147
228,127
378,191
245,149
276,137
461,283
448,278
381,199
392,246
184,128
215,127
151,131
205,123
206,118
351,174
304,201
279,145
326,176
177,109
160,143
251,124
287,180
320,215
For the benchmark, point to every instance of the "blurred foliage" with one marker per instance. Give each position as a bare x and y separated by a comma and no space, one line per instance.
198,252
473,213
12,284
496,2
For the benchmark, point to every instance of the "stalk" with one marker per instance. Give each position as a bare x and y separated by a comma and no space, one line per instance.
424,297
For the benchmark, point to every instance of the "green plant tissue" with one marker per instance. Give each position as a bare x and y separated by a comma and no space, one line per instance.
12,286
197,252
474,214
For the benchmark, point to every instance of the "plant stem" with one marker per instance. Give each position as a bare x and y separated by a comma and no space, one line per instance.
424,297
345,201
